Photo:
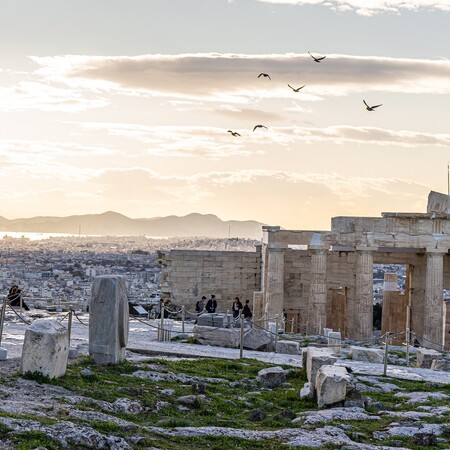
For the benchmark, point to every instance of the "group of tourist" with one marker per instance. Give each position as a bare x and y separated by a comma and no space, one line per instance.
210,306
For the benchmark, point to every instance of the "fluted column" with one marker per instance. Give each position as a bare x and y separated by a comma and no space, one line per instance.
363,309
317,306
274,297
434,305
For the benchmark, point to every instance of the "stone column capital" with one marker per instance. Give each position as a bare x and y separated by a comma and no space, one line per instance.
435,251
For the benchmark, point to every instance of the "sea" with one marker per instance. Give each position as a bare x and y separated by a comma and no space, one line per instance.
33,236
41,236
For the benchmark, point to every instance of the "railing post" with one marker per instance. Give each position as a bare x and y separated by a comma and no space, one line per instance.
386,348
276,331
2,318
407,346
241,346
292,326
161,332
183,317
69,324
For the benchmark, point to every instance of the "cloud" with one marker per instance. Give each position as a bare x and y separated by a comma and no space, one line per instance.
370,7
44,159
43,97
217,143
232,78
180,141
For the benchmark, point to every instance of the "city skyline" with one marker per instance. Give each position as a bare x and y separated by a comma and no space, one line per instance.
106,106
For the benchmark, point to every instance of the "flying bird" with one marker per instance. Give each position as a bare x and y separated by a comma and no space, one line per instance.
296,89
265,75
317,59
233,133
259,126
371,108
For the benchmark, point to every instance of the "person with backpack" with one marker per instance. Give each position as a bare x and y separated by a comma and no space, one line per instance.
200,305
246,311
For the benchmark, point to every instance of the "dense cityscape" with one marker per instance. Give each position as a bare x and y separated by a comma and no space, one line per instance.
56,271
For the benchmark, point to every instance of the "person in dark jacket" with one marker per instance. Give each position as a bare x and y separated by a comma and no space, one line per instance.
237,307
246,311
211,304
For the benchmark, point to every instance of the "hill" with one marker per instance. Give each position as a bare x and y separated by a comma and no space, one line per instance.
112,223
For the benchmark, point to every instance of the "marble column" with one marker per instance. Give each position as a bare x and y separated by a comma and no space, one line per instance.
363,308
434,304
317,305
274,295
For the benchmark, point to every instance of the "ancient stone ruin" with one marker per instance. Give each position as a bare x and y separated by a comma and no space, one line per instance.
108,323
324,279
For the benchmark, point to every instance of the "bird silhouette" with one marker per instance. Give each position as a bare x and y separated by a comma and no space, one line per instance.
265,75
317,59
371,108
296,89
259,126
233,133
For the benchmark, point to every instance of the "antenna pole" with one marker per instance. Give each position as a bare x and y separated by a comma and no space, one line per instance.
448,178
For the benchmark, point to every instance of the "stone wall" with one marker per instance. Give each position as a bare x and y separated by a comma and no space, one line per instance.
187,275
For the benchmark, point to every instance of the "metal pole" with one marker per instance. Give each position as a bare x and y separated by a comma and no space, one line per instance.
2,318
386,348
292,326
183,316
407,347
161,335
69,324
241,347
20,303
276,331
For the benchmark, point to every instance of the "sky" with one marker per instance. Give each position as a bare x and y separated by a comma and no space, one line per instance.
114,105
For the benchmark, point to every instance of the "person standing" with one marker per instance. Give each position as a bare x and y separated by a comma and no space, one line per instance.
200,305
246,311
211,304
237,306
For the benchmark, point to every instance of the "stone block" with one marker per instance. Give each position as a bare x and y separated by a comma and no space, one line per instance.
3,353
373,355
317,357
288,347
331,385
221,337
441,364
271,377
256,338
426,356
334,342
45,348
212,320
108,321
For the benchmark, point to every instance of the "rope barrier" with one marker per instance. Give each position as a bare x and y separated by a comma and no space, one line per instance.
79,320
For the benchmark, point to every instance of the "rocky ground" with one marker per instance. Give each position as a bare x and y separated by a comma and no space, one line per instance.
218,402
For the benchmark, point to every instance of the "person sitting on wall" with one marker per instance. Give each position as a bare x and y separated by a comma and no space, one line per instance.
246,311
14,296
237,306
211,305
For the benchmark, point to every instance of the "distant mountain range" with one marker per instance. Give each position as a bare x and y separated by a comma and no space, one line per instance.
112,223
